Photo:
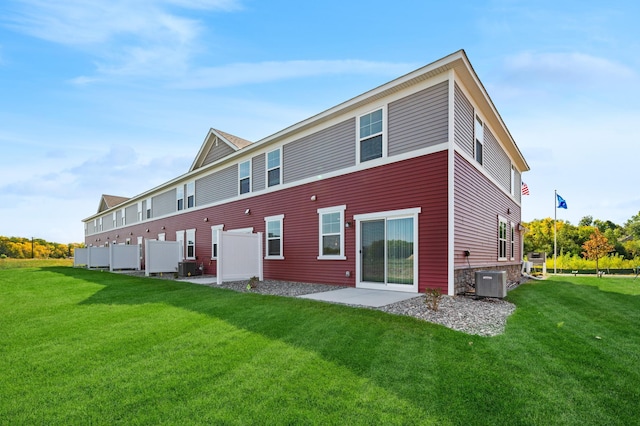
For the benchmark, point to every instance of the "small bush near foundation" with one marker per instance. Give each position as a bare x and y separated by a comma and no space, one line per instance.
432,298
253,283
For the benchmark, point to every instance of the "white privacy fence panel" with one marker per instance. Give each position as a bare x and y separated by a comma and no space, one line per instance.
124,256
98,257
80,256
161,256
239,256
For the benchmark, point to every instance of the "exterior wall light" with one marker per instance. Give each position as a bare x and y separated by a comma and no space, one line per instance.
347,224
313,198
206,219
247,211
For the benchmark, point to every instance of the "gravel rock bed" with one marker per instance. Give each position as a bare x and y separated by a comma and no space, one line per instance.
479,316
482,316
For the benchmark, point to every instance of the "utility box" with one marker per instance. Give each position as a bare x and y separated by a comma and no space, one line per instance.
491,284
186,269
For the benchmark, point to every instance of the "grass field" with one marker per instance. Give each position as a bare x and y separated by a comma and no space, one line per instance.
88,347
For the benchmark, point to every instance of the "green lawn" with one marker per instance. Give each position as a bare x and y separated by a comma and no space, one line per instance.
87,347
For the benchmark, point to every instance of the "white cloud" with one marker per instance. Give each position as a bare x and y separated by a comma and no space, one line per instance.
125,37
566,68
262,72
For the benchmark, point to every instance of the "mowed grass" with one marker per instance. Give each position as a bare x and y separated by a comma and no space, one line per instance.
88,347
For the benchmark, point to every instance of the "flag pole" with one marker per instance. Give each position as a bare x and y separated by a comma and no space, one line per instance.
555,217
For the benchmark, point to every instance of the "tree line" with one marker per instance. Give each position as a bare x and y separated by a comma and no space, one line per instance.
623,240
27,248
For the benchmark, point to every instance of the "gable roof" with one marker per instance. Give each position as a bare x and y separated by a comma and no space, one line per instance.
109,201
211,143
456,63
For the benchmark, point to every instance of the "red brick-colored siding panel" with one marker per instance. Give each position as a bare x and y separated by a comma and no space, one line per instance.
417,182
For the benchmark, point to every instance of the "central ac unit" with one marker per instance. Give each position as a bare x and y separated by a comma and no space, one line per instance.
491,284
186,269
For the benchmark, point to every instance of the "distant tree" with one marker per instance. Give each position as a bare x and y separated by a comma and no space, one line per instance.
596,247
632,226
586,221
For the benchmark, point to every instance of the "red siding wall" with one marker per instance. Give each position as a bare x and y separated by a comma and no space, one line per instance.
417,182
478,202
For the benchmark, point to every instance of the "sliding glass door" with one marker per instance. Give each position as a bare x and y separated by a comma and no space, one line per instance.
387,252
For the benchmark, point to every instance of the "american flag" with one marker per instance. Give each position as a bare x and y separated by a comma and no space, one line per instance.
525,189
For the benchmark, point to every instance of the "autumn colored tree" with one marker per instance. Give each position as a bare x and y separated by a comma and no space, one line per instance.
596,247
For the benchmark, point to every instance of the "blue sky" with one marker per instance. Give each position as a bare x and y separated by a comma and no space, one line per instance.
116,96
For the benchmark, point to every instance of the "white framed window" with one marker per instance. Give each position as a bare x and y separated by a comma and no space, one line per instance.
123,217
180,240
371,129
513,240
100,224
274,167
502,238
274,237
191,244
331,233
244,177
148,208
139,211
191,194
180,198
162,236
478,131
114,220
215,234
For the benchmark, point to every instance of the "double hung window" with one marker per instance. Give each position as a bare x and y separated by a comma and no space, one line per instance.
273,236
191,244
274,168
215,233
148,209
244,176
331,232
502,238
180,197
513,241
479,139
370,136
191,194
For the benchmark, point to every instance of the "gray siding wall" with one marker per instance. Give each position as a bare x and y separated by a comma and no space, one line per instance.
496,160
131,214
419,120
164,203
217,152
258,172
330,149
463,121
217,186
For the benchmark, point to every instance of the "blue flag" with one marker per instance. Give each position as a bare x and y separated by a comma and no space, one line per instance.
562,204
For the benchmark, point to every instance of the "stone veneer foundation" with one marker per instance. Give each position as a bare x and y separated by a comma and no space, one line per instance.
464,278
